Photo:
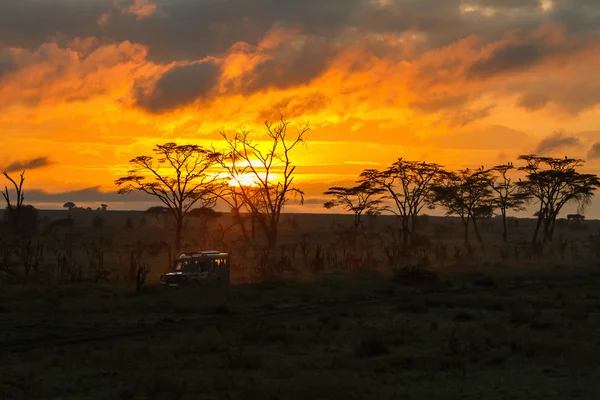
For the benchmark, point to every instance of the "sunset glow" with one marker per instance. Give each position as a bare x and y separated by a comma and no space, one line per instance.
460,83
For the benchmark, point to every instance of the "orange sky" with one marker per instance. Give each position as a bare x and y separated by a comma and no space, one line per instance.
88,85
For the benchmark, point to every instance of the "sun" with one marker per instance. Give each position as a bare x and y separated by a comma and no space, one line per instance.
251,180
244,180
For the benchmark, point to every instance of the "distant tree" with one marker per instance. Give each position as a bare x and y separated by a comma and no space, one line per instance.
467,194
409,184
360,199
157,211
14,209
69,205
507,194
103,207
178,175
204,212
552,183
262,177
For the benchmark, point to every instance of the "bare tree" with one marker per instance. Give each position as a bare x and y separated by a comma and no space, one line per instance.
14,209
262,177
178,176
360,199
508,196
409,184
552,183
466,193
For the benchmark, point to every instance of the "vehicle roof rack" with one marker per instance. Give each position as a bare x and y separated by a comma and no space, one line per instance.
199,253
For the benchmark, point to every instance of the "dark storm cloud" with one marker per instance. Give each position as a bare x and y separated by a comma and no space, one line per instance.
180,86
556,141
514,57
23,165
289,67
192,29
29,23
572,98
594,152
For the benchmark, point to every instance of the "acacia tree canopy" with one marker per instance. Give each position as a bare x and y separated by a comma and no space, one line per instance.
178,175
409,184
359,199
552,183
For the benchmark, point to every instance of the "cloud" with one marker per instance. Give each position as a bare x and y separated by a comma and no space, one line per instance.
7,65
73,70
180,86
140,8
533,101
557,141
23,165
523,50
87,195
191,30
226,57
594,152
293,64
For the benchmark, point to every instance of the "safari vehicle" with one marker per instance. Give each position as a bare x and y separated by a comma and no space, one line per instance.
198,267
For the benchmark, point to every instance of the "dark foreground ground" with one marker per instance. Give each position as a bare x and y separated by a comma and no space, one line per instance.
486,339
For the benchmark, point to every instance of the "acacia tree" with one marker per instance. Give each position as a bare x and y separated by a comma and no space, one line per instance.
360,199
552,183
261,177
178,175
507,194
409,184
465,193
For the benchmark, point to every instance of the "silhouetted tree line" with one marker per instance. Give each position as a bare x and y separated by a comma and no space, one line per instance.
407,187
257,180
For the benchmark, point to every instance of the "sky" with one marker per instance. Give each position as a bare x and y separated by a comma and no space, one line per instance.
86,85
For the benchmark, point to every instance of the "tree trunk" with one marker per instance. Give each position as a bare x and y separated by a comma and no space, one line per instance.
272,236
553,226
504,227
547,228
466,225
476,229
178,231
537,230
413,228
405,233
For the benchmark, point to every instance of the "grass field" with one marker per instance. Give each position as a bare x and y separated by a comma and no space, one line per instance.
491,341
500,322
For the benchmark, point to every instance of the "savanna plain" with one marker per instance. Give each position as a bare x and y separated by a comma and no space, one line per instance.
491,320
